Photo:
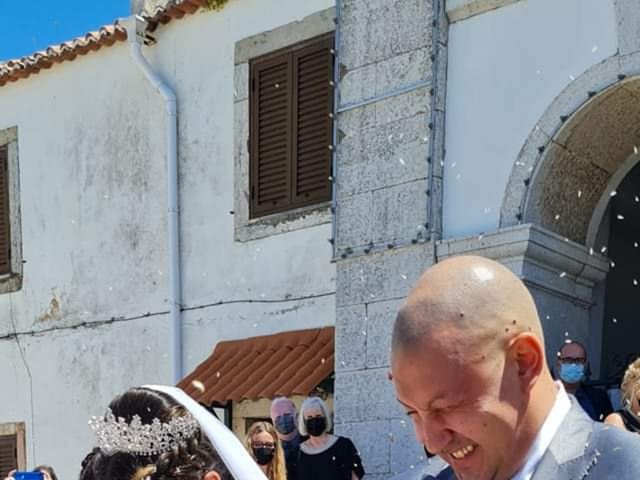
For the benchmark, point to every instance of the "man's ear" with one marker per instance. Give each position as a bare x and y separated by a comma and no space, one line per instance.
212,476
529,355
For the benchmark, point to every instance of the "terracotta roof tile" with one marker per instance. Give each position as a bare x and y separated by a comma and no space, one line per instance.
291,363
14,70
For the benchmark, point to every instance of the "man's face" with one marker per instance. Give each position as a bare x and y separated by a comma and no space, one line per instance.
571,353
466,410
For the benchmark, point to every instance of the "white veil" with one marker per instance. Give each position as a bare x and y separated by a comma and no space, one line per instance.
229,448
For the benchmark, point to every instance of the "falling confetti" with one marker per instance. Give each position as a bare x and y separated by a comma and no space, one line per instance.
613,264
198,385
615,320
563,274
591,251
635,282
635,244
620,217
613,193
594,49
635,149
403,276
401,161
603,249
557,217
579,193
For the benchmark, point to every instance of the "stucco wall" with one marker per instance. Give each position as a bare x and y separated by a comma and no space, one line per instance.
93,227
505,67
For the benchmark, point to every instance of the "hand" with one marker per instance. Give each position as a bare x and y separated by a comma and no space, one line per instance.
10,476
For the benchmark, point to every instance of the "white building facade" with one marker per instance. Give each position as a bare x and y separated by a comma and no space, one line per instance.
499,128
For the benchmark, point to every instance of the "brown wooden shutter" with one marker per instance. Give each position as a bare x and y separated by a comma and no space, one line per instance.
270,135
5,233
312,123
291,128
8,454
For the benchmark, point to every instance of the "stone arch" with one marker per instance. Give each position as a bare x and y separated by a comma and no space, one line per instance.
572,155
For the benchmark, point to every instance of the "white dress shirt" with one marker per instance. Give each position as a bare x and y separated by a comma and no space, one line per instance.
550,427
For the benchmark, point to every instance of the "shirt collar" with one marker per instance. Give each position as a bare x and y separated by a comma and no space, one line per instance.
550,427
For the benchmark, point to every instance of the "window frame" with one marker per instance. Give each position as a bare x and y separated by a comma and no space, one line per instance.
269,42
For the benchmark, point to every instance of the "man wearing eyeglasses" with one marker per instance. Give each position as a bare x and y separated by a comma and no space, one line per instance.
572,369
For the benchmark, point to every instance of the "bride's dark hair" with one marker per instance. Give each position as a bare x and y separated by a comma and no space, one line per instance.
189,461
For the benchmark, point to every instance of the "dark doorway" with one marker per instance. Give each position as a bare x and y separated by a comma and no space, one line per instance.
621,326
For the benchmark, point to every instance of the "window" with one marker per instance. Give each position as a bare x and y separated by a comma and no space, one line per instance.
8,454
5,218
12,448
291,127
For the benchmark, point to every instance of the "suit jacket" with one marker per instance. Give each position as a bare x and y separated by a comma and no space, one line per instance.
581,450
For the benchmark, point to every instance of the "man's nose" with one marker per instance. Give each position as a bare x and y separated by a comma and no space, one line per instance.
432,433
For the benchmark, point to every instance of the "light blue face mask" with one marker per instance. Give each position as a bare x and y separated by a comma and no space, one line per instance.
571,372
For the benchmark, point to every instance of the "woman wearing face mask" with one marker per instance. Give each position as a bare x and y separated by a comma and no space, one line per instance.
325,456
264,446
628,417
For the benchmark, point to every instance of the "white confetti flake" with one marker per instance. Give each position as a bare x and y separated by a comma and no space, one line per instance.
198,385
563,274
613,193
613,264
591,251
403,276
635,149
572,78
558,217
603,249
579,193
453,165
620,217
635,282
635,244
401,161
594,49
615,320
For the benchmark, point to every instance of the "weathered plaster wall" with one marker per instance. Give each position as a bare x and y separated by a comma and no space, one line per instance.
93,228
505,67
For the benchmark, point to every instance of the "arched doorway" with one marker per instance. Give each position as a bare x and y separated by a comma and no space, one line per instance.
619,233
580,179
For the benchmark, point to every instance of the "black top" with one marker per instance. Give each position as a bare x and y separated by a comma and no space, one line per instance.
631,423
594,401
291,453
335,463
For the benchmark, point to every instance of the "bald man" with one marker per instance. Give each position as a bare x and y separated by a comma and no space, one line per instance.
469,367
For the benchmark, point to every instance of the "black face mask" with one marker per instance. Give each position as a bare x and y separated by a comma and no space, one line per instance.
285,424
316,425
263,455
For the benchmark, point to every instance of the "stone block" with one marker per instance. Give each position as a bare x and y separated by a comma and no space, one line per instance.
372,440
372,31
440,87
309,27
406,451
380,319
358,85
351,338
367,395
522,170
436,202
354,220
403,70
576,94
351,122
458,10
241,82
379,276
407,105
398,211
628,17
388,155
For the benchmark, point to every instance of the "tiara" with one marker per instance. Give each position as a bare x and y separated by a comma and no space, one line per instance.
116,435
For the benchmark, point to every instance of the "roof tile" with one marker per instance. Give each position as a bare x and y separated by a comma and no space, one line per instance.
106,36
291,363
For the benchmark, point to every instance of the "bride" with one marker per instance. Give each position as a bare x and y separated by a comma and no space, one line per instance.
160,433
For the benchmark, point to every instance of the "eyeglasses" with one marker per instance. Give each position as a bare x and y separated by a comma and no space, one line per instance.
576,360
264,445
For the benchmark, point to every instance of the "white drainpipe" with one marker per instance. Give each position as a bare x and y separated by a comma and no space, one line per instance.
136,29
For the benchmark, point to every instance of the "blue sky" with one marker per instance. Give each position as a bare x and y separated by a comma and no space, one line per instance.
30,25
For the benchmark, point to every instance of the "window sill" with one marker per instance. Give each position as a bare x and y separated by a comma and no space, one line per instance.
10,282
278,223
